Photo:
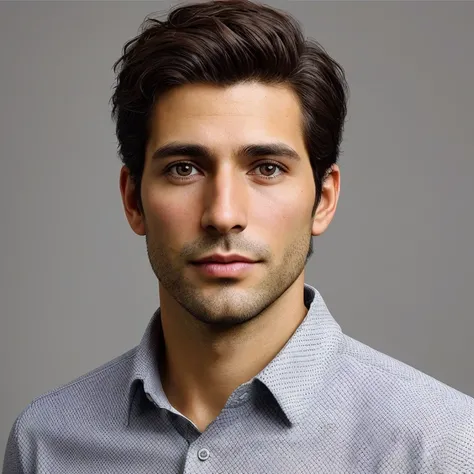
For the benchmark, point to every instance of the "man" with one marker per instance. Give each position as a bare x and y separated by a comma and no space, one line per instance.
229,124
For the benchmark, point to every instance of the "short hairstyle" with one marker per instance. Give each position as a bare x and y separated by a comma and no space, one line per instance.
226,42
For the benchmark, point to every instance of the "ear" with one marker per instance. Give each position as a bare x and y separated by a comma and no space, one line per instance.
328,203
127,189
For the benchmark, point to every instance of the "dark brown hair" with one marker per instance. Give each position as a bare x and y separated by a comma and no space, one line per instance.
224,42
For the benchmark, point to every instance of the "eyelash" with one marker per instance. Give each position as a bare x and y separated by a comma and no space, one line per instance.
184,178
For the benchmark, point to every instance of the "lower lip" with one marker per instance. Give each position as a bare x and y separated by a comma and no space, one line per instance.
224,269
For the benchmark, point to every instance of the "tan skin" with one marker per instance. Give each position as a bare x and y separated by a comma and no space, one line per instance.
220,333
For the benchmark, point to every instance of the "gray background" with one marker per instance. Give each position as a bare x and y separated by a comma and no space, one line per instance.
395,266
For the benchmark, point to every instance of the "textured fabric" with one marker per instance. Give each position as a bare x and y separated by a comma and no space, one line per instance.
325,404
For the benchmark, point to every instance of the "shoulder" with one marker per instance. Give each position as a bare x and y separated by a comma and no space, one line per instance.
79,401
93,386
416,408
412,384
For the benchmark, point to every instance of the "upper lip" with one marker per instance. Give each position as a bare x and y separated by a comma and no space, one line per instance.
224,258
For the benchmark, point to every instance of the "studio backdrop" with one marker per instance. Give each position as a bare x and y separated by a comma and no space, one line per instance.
396,265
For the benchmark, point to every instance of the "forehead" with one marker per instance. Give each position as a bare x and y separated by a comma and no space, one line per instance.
222,116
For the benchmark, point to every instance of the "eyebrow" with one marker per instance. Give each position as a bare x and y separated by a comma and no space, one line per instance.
201,151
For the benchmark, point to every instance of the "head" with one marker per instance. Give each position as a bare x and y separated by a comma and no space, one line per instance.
194,94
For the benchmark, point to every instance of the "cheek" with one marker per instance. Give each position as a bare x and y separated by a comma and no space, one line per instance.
284,217
167,214
288,209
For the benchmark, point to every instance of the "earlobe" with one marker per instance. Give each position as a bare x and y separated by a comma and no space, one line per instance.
132,211
320,222
138,224
328,203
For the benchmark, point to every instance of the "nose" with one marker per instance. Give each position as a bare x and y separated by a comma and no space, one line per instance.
226,202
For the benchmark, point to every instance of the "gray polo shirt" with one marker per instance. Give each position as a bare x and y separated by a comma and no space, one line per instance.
325,404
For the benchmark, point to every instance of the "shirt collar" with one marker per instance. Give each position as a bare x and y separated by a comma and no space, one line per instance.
298,372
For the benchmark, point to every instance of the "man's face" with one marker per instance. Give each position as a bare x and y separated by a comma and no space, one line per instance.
227,203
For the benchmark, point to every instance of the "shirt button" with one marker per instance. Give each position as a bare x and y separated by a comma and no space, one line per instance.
149,397
243,396
203,454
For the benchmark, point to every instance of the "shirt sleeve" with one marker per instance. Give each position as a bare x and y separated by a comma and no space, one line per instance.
458,452
12,461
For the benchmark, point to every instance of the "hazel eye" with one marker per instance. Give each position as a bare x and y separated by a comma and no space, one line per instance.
180,165
187,166
272,167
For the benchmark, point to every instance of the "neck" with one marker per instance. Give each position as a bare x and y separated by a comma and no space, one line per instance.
201,367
